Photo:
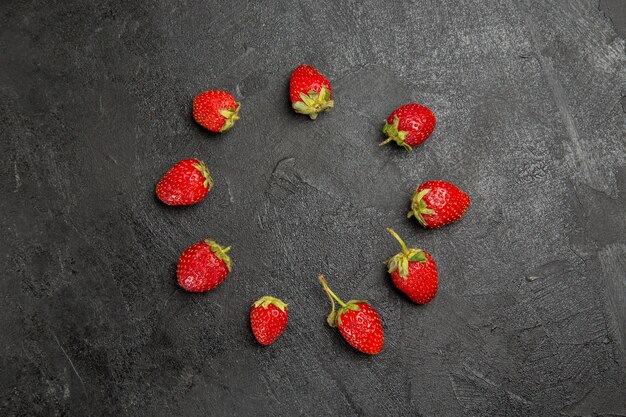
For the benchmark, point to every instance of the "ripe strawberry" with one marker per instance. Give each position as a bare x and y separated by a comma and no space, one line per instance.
358,323
203,266
268,319
215,110
437,203
187,182
413,271
309,91
409,125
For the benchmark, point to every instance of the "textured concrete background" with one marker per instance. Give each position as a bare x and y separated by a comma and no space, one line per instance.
95,103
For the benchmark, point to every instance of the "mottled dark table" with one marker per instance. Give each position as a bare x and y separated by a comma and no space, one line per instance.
95,101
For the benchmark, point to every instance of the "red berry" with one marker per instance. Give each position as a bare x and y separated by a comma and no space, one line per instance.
310,92
437,203
187,182
409,125
414,272
203,266
215,110
358,323
268,319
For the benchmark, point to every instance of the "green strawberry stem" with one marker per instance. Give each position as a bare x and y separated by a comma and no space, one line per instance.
405,250
330,293
226,249
334,317
398,136
400,261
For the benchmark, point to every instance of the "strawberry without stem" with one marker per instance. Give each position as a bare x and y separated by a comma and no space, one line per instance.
215,110
268,319
203,266
437,203
409,125
358,323
414,272
187,182
310,92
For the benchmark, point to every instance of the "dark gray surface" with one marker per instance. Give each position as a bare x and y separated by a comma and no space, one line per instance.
615,11
95,106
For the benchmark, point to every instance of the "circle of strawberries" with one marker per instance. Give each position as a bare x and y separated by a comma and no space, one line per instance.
204,265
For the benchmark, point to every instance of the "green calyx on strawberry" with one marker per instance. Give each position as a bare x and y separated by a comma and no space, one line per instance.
419,206
231,116
268,300
313,102
208,180
334,318
400,261
398,136
220,252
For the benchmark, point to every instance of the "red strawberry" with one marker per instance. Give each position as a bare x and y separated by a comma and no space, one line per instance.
437,203
413,271
187,182
215,110
268,319
409,125
203,266
309,91
358,323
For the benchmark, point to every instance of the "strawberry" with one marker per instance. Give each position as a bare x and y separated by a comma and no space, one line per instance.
309,91
437,203
187,182
413,271
268,319
358,323
409,125
215,110
203,266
